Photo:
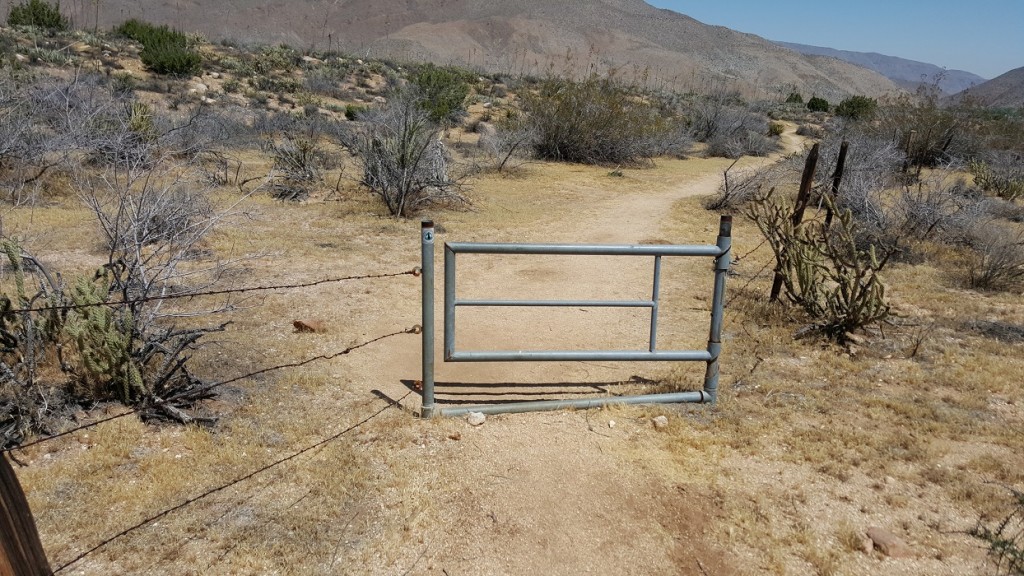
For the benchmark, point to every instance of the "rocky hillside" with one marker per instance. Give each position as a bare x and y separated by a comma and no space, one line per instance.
906,73
647,44
1005,91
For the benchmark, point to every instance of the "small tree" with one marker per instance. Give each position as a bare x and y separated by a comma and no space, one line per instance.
817,104
37,13
794,98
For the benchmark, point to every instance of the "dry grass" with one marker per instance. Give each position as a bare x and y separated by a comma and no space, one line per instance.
810,445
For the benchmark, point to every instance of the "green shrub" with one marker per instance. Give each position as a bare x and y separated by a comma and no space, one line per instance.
857,108
775,128
164,51
169,59
816,104
443,91
794,98
352,111
594,121
37,13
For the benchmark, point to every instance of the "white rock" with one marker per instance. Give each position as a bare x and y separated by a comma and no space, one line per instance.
476,418
660,422
214,75
611,423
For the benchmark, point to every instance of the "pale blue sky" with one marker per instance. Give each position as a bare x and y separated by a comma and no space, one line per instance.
981,36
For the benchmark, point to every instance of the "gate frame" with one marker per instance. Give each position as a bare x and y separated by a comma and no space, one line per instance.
720,251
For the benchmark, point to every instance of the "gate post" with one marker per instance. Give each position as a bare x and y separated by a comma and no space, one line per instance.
427,266
717,307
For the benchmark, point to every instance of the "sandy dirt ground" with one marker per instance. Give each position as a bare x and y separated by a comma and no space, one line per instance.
567,492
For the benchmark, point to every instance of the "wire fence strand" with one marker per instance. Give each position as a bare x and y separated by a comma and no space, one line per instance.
221,292
203,389
227,485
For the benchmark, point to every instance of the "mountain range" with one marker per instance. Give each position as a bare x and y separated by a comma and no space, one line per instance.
908,74
1003,91
643,43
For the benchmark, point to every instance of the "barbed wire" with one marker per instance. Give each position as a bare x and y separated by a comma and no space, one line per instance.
220,292
203,389
227,485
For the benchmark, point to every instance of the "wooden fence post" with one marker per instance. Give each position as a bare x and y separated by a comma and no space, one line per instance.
837,179
21,552
802,199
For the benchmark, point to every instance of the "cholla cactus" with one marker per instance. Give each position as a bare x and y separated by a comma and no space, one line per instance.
103,340
823,270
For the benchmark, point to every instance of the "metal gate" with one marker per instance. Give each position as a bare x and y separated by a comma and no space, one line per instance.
719,251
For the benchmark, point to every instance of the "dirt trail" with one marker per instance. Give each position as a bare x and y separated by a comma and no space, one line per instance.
563,492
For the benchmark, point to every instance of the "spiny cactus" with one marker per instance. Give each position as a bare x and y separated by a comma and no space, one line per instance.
103,341
823,270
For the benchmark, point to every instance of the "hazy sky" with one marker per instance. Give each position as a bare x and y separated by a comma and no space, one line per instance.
981,36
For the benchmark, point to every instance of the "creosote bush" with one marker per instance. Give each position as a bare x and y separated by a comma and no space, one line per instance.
999,258
595,121
164,51
857,108
37,13
443,91
817,104
930,133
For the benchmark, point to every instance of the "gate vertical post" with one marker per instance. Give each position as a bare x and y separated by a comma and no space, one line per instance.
654,307
717,307
427,266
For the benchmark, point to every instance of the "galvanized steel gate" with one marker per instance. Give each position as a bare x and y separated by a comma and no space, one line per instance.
719,251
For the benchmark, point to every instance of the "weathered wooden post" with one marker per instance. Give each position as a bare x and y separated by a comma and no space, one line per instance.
21,552
802,199
837,179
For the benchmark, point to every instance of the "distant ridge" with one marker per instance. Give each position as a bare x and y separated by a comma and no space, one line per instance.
661,47
1004,91
906,73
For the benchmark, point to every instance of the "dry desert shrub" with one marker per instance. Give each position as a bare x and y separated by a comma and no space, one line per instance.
404,161
999,259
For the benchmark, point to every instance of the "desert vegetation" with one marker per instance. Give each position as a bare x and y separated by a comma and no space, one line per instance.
148,174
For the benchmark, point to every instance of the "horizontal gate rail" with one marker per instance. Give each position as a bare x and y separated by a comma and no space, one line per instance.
719,251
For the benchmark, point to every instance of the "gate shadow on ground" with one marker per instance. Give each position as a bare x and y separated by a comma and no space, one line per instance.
456,393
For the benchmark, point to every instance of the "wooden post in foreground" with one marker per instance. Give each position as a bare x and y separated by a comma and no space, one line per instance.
21,552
